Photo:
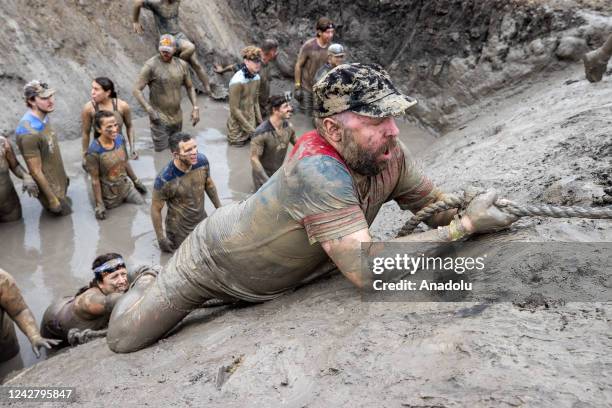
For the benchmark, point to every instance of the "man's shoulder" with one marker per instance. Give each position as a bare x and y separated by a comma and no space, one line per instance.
182,63
29,125
238,78
202,161
264,127
166,175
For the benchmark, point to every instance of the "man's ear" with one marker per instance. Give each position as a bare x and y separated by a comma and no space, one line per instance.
332,129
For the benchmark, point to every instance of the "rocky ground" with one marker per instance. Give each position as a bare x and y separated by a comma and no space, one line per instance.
534,129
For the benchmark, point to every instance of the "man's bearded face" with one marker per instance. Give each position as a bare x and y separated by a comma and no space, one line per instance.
367,160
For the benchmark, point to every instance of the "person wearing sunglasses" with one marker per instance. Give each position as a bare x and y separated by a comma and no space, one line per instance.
91,307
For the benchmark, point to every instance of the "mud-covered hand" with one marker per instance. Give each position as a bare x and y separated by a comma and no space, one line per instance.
100,211
166,245
38,342
218,68
483,216
30,185
66,206
153,115
195,113
134,154
297,93
55,206
137,27
142,189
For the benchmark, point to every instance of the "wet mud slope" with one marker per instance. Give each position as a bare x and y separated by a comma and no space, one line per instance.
323,346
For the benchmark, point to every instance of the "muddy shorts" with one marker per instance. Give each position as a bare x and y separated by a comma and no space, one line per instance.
307,103
161,132
180,39
9,346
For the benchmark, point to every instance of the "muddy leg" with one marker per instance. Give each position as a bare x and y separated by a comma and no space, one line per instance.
596,61
141,317
187,53
134,197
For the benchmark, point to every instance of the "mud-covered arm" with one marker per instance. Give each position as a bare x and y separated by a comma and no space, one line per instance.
257,150
258,117
235,93
93,168
13,163
188,83
129,127
211,191
85,129
142,81
137,5
157,204
31,153
92,304
297,73
13,303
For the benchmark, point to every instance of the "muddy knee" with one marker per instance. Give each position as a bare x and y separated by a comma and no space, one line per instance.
186,50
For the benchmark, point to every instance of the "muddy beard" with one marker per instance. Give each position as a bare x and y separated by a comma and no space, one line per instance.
360,160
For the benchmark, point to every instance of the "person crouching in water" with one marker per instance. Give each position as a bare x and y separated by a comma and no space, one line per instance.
112,178
90,308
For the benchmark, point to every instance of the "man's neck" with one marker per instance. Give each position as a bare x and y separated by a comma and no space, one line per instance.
181,166
39,114
276,121
320,43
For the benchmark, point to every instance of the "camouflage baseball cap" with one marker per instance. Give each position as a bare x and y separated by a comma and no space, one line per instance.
365,89
37,88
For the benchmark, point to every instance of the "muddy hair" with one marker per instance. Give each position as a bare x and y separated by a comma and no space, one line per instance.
176,139
269,44
323,24
98,120
276,101
107,85
251,52
97,262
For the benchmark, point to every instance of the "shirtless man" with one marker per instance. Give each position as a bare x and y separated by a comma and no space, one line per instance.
181,185
270,141
166,14
91,307
245,114
112,179
312,56
596,61
164,75
10,207
40,148
335,57
315,209
14,308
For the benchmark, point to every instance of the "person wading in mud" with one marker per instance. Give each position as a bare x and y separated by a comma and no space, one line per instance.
104,98
166,14
311,57
73,318
10,207
14,308
596,61
244,98
335,57
112,179
270,141
315,209
39,147
165,75
181,185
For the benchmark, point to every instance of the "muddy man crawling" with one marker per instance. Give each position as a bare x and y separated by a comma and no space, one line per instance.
315,209
596,61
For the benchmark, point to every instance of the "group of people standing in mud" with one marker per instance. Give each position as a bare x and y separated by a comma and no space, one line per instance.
311,216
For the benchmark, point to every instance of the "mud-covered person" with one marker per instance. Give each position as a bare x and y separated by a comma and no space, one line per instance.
40,149
104,98
113,180
165,75
596,61
10,206
311,57
245,114
315,209
14,308
91,307
335,57
270,141
166,15
181,185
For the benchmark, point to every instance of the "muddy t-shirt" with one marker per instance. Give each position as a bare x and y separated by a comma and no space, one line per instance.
313,57
271,144
244,106
36,139
11,304
165,14
165,80
9,199
110,164
271,242
183,192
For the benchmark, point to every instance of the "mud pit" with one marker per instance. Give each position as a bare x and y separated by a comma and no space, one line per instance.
545,139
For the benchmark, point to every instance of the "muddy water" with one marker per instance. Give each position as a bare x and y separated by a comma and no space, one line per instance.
51,257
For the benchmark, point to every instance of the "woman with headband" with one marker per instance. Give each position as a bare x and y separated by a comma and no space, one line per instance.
91,307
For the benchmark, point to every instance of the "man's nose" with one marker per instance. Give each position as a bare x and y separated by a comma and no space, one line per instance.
391,128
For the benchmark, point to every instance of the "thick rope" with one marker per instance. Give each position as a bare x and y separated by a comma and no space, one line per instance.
455,201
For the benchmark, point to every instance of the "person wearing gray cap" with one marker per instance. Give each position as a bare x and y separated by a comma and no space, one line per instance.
335,57
165,74
166,14
39,147
315,210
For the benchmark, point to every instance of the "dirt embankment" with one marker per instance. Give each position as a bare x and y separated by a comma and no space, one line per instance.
448,53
